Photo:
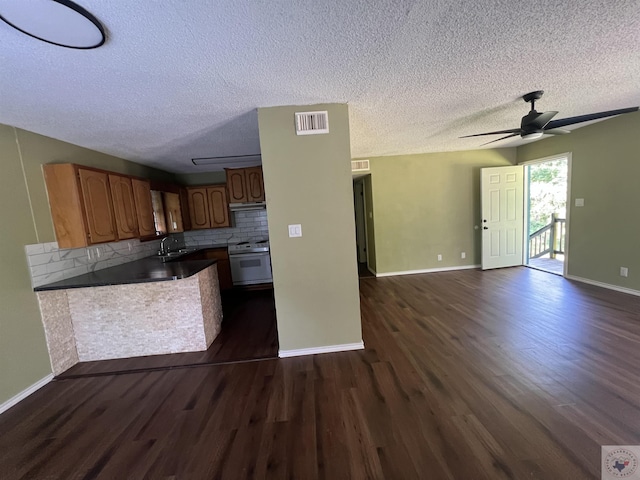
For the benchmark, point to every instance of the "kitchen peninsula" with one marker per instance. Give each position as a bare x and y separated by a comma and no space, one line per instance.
145,307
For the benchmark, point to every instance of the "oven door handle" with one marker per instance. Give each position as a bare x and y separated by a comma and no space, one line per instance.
238,256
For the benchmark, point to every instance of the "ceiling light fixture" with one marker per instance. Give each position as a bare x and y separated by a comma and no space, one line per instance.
239,160
60,22
532,135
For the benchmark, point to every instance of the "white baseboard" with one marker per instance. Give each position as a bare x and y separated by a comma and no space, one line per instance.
630,291
427,270
345,347
372,270
25,393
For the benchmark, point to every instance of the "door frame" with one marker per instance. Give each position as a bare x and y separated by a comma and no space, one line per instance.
360,180
568,156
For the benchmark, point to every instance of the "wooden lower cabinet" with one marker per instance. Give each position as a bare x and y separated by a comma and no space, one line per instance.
224,267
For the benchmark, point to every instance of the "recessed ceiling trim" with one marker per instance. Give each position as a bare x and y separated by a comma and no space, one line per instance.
70,27
236,160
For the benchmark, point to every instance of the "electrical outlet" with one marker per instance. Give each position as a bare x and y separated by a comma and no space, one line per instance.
579,202
463,255
439,258
624,272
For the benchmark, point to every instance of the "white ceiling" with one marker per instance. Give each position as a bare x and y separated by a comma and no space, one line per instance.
177,80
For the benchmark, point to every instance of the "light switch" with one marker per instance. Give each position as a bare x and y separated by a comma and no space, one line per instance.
295,230
579,202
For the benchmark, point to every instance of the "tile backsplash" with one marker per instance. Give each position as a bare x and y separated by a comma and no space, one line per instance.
250,225
48,263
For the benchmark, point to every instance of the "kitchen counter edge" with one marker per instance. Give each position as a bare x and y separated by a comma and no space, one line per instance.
144,270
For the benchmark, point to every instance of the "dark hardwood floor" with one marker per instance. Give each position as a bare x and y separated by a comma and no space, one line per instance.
249,332
505,374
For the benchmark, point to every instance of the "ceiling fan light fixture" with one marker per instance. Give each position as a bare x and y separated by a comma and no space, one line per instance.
59,22
532,135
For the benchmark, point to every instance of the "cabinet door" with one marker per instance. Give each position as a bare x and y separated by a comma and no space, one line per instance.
237,185
224,274
98,206
65,202
124,207
199,208
173,212
144,208
184,209
218,207
255,184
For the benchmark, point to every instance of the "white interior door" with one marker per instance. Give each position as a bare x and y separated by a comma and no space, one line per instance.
502,194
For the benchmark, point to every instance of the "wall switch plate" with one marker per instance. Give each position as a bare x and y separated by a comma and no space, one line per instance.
295,230
579,202
463,255
439,258
624,272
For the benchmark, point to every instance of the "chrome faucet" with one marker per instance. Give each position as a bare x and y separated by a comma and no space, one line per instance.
163,247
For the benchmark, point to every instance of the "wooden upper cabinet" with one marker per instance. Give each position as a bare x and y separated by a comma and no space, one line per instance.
124,206
144,207
237,185
184,208
96,194
208,207
245,184
172,212
218,207
198,208
255,184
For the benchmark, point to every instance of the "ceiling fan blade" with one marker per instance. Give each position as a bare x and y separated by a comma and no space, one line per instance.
513,130
503,138
556,131
563,122
540,121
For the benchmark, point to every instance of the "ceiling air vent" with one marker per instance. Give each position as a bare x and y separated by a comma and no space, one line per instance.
312,123
359,165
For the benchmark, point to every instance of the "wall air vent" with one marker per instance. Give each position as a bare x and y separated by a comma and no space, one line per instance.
359,165
312,123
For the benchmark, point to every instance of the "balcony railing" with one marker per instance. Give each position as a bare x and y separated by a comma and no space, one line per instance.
550,239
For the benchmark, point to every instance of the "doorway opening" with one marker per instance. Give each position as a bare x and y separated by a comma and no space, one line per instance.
546,193
361,188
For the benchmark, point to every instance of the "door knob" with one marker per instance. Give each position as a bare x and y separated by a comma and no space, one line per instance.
485,228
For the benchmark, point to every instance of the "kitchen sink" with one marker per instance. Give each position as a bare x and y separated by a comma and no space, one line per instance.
166,257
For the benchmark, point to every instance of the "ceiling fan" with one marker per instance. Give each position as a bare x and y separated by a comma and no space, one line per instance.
535,124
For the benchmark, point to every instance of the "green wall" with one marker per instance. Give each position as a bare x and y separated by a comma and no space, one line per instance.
428,204
308,181
24,212
604,234
23,352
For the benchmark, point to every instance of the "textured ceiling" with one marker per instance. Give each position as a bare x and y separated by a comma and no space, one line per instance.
177,80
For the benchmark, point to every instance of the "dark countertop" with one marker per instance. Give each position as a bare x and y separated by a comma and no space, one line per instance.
150,269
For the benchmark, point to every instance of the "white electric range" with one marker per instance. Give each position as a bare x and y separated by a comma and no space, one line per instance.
250,262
